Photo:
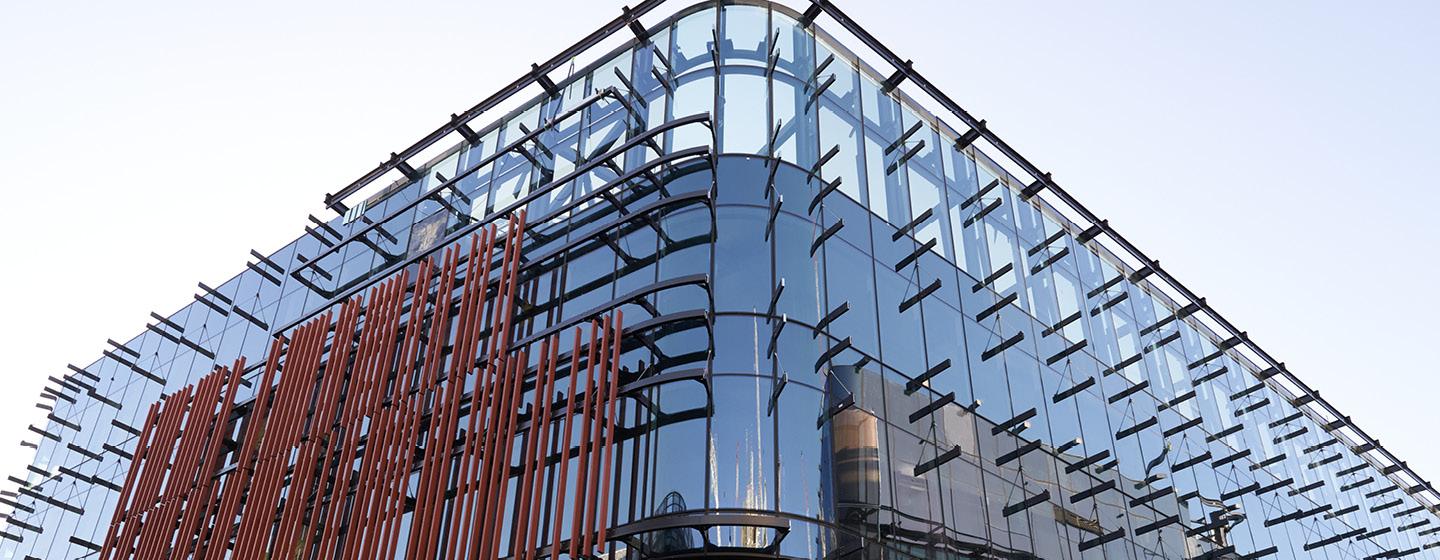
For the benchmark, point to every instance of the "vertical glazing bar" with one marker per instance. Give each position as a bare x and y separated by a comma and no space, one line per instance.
293,505
438,449
182,469
515,244
418,518
399,479
383,462
327,411
392,334
217,452
338,363
180,494
313,445
370,381
260,459
345,436
456,380
495,396
197,493
255,499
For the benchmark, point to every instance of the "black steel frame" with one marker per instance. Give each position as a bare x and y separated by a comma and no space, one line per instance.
1042,179
904,70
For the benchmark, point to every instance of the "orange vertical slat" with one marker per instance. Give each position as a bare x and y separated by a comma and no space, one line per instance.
539,427
577,514
558,512
595,408
127,491
472,304
397,470
610,425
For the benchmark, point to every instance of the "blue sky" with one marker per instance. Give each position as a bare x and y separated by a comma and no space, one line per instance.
1275,156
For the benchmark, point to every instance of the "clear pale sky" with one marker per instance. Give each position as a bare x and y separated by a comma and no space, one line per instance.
1277,156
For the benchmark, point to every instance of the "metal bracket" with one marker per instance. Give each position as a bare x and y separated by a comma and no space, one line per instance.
775,335
915,384
996,307
995,351
1093,231
1035,187
1027,503
915,223
1073,390
915,255
915,299
904,136
1073,348
810,14
939,460
935,405
836,408
1101,540
775,204
1012,423
829,318
830,354
970,136
1017,453
820,196
992,277
775,393
897,77
825,235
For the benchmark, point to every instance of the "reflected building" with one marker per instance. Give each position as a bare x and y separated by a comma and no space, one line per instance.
676,539
744,284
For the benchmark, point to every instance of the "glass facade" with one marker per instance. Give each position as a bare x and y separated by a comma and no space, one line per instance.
851,331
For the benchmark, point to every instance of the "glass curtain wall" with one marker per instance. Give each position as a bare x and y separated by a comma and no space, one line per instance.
909,357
